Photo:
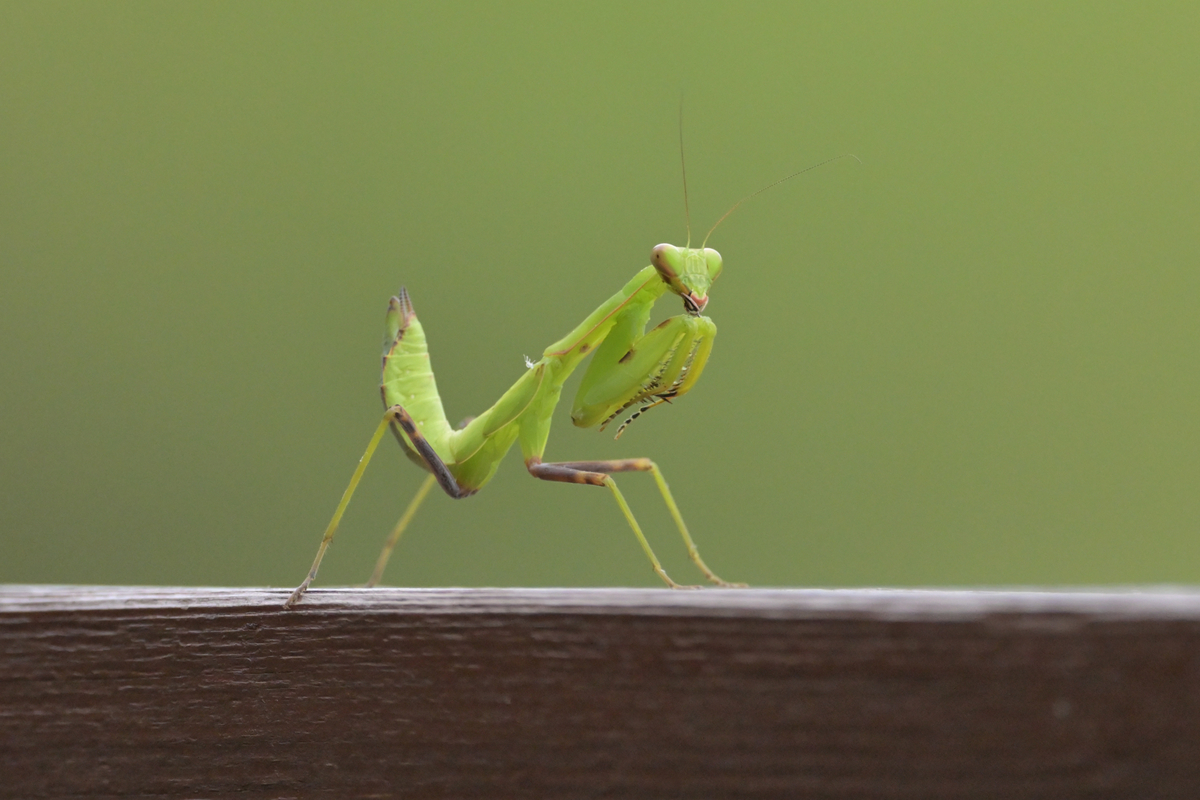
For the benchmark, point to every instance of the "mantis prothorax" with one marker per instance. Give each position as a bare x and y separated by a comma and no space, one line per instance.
631,371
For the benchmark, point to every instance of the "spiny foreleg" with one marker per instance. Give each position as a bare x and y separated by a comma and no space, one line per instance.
644,372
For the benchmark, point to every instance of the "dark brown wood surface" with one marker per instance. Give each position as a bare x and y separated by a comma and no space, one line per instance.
124,692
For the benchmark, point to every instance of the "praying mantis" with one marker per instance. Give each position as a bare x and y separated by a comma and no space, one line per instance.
630,370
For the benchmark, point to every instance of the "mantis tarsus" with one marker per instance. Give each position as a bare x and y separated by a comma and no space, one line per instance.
630,370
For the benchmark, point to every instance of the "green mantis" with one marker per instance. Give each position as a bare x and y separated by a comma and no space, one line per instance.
631,371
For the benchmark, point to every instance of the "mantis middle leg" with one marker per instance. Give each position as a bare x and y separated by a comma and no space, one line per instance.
598,473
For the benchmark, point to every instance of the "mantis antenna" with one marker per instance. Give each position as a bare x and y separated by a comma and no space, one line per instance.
687,214
734,207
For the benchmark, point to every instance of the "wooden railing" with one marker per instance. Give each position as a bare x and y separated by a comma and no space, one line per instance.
121,692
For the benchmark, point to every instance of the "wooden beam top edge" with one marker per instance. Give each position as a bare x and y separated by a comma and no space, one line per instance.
1134,602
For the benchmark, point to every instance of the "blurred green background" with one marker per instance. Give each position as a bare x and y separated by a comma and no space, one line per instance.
970,360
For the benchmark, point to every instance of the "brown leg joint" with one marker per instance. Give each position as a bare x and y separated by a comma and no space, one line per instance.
438,467
593,473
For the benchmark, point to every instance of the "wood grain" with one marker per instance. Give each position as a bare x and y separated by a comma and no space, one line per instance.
118,692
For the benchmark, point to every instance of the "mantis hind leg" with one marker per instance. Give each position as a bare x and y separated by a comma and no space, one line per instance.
396,415
598,473
405,519
394,536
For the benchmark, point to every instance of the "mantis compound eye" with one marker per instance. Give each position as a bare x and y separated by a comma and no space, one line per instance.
667,259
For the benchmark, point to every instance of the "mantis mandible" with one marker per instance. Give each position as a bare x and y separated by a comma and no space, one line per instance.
630,370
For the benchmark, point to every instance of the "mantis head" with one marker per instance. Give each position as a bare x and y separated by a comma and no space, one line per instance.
687,272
